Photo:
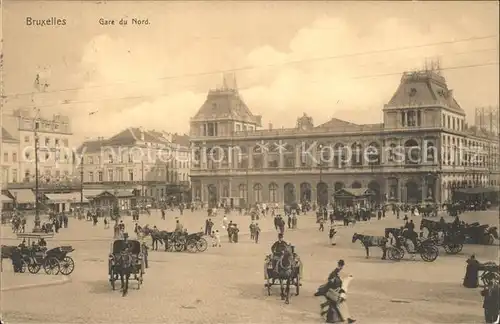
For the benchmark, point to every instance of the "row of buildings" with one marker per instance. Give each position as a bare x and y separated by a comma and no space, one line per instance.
155,163
423,150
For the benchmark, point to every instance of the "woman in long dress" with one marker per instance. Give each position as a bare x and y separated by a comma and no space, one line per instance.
471,279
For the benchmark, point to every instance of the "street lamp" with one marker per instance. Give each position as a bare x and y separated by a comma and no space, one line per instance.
37,194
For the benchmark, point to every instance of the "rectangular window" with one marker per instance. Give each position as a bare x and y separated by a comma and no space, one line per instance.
131,175
26,139
99,176
14,157
110,175
6,157
91,176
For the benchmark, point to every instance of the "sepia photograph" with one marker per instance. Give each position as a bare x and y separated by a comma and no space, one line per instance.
249,162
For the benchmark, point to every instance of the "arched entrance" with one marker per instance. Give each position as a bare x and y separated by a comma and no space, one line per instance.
375,187
212,196
305,192
322,192
413,194
356,185
289,194
338,185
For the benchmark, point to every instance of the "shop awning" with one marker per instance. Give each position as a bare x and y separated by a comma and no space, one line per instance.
5,199
23,196
91,193
71,197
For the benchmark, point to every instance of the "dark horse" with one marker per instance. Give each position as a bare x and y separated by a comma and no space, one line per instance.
161,237
123,266
284,271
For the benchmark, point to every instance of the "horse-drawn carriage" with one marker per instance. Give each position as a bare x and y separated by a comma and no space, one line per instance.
194,242
35,255
126,259
425,247
286,268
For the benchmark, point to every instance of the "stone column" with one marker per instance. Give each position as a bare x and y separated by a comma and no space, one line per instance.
399,194
298,198
204,192
314,193
297,156
250,159
265,159
203,155
425,189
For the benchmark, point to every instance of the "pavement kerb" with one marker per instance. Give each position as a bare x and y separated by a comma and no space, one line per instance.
62,281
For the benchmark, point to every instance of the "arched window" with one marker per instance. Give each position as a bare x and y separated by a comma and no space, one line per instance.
257,192
373,154
273,192
243,191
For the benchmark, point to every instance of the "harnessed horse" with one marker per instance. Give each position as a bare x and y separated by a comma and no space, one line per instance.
123,266
284,271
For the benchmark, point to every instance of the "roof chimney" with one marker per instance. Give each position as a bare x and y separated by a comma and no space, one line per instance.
270,126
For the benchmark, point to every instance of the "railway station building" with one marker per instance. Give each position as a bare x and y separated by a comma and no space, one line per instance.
422,151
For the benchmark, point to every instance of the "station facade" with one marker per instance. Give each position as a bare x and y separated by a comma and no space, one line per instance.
421,152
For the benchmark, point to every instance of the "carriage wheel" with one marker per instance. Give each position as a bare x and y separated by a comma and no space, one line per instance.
201,245
33,268
395,254
67,265
429,254
51,266
191,246
453,248
179,246
170,246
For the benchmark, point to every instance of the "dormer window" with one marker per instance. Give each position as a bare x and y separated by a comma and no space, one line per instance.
214,106
413,92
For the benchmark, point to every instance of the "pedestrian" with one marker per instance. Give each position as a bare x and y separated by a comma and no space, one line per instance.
331,235
106,224
289,221
257,232
252,231
491,302
217,238
321,224
207,232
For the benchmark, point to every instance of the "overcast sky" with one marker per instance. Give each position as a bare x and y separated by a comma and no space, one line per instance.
157,76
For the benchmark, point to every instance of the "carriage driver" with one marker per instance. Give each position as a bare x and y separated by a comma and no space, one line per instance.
279,246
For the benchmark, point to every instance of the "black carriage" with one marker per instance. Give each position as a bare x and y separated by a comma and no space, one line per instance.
194,242
35,256
480,234
450,238
135,250
271,277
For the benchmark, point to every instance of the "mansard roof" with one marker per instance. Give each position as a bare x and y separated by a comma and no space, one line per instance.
424,88
226,104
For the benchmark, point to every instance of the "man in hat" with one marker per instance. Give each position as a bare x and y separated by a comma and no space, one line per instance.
279,246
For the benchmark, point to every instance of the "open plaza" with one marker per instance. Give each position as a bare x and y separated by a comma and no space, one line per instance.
226,284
